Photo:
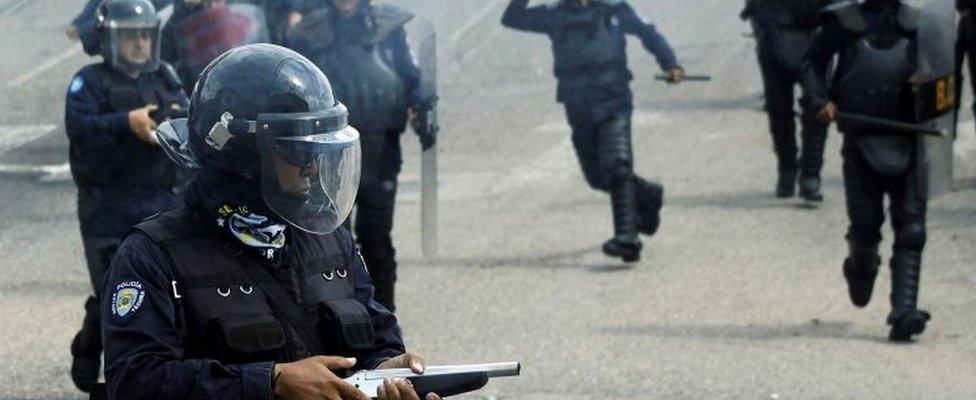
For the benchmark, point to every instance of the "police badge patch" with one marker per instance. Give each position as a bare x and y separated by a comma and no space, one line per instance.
127,299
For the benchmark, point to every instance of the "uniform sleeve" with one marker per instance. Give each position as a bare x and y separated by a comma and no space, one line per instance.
653,41
389,341
520,16
294,5
85,119
816,63
85,23
404,63
143,348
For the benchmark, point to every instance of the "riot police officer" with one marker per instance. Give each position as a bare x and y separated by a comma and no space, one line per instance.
876,43
594,85
363,48
783,29
252,289
112,109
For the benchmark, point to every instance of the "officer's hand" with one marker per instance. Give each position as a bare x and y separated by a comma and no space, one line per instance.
142,125
402,389
72,32
828,113
294,18
676,75
312,378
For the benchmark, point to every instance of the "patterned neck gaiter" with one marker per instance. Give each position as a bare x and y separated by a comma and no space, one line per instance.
236,207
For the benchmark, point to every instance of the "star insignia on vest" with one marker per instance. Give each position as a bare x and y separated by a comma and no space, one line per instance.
127,299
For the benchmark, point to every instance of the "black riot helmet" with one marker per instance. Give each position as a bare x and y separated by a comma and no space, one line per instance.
264,115
128,32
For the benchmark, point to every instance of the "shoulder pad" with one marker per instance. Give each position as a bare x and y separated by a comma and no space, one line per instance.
554,4
316,29
170,226
908,17
169,75
848,13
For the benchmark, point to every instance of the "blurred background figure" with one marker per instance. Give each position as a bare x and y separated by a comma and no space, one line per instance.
783,28
111,114
201,30
363,49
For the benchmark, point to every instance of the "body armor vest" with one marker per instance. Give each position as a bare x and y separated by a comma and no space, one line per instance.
872,79
586,40
128,164
226,315
361,76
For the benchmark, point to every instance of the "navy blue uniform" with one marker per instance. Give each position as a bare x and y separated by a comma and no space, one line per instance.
875,42
589,49
783,30
120,179
145,354
364,54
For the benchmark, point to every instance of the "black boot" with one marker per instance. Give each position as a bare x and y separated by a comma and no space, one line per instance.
624,243
86,349
650,199
810,190
786,183
905,319
860,271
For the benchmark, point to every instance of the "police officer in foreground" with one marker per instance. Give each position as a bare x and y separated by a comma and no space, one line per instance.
252,290
783,29
122,175
876,41
363,48
594,85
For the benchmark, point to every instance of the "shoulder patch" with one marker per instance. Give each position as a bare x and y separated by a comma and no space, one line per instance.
128,298
76,84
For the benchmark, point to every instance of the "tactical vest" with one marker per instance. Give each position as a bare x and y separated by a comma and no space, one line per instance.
790,30
363,79
872,79
227,316
586,40
127,164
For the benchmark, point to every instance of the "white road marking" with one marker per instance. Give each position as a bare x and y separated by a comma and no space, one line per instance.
14,136
48,173
68,54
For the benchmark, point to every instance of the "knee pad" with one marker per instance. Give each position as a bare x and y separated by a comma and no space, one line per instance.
912,236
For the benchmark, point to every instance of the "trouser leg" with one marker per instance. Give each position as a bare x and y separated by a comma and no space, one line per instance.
865,209
779,89
374,217
86,347
908,196
616,164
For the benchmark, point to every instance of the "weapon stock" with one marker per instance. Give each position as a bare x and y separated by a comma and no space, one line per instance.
444,380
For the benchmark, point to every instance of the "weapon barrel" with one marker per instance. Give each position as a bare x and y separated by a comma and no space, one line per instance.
493,370
889,124
690,78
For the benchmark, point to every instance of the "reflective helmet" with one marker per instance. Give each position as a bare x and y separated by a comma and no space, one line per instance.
128,32
266,115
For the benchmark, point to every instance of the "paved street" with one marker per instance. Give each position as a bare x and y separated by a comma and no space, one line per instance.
739,296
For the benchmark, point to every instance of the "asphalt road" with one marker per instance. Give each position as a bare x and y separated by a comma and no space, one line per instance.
739,296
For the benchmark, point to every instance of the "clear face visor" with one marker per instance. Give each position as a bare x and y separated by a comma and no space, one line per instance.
134,47
310,180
